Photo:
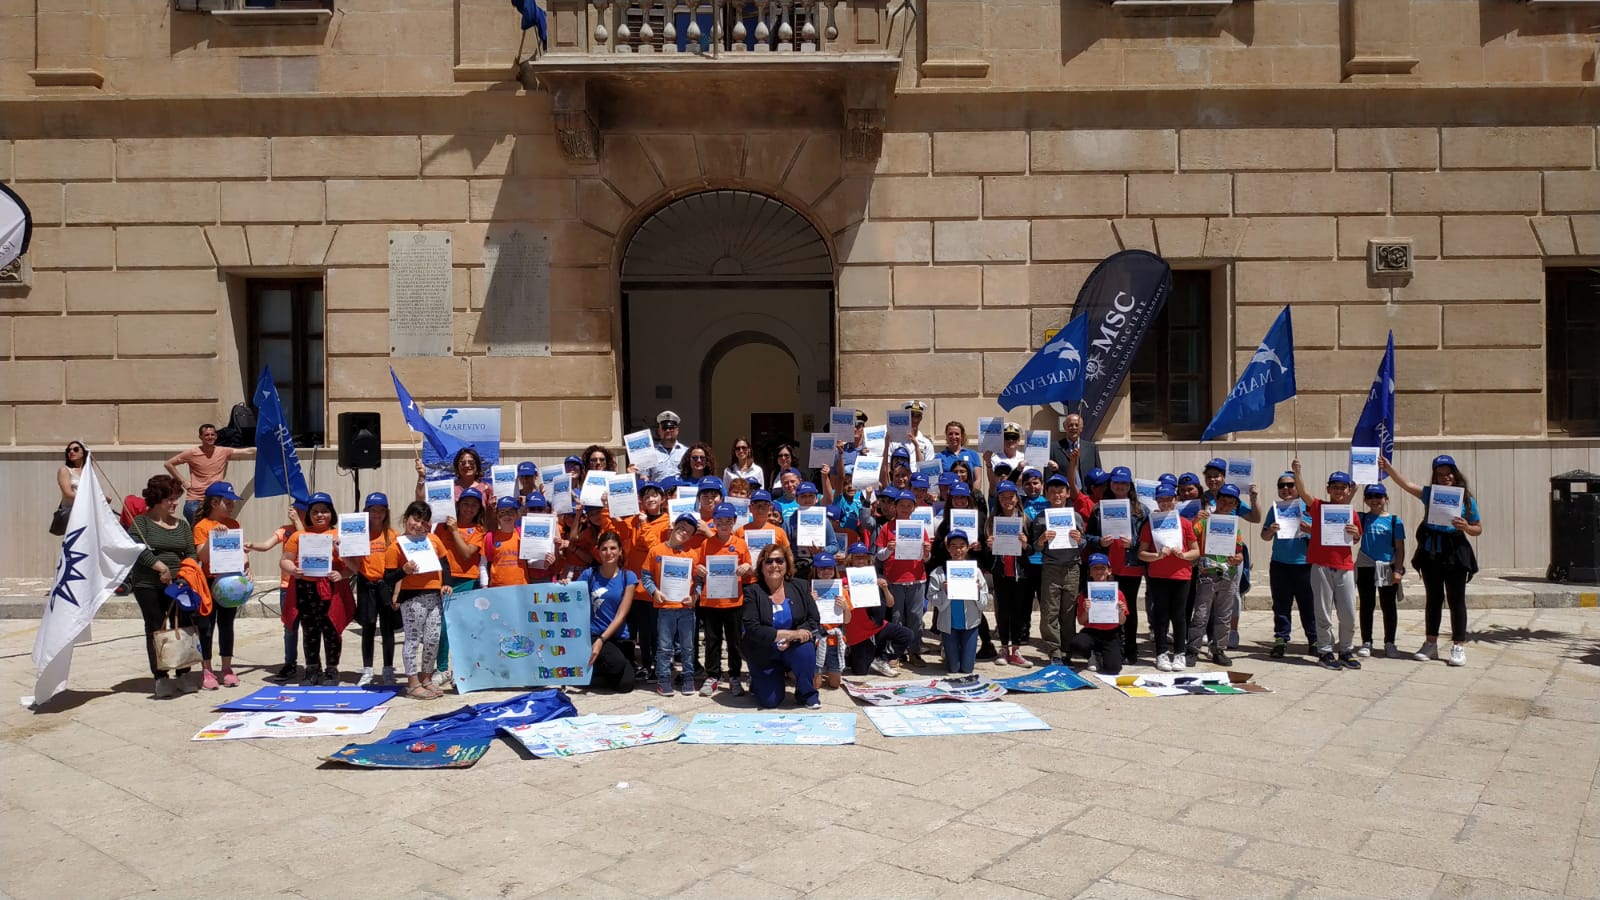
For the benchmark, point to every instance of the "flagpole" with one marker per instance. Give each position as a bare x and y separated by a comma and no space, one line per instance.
96,463
1295,412
517,60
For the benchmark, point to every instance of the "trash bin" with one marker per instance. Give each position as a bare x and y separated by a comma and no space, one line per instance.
1575,527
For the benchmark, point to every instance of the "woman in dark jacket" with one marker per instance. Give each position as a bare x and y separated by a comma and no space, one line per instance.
780,624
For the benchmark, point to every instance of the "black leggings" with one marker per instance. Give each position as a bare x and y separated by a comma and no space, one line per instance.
1013,607
1129,586
720,624
613,668
1439,583
642,625
153,606
1168,599
316,626
375,615
1372,593
221,619
891,641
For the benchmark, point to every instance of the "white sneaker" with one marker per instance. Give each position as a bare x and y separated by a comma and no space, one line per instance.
365,679
737,687
1364,650
881,667
1391,651
1427,651
1180,662
708,687
1164,662
1458,655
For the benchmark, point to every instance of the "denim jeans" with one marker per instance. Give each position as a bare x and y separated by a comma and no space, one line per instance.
910,601
674,631
960,650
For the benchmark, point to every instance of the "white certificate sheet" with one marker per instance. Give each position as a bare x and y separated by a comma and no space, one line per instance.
966,522
1241,474
316,554
595,485
1116,520
1007,536
550,473
227,549
1166,530
354,539
622,495
876,437
722,577
829,591
758,539
538,537
841,423
991,434
642,452
1286,518
899,422
1103,603
931,469
1335,516
863,587
561,494
683,506
1062,521
866,473
677,573
1364,465
504,480
1037,452
420,552
1444,504
1222,535
924,514
822,449
811,527
908,535
961,579
441,496
1145,490
741,510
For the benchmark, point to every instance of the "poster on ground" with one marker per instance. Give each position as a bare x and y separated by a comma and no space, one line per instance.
524,635
983,718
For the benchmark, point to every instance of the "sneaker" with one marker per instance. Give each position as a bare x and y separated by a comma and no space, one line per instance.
229,679
1016,659
1329,661
1349,661
366,677
1280,646
1427,651
287,673
1182,661
881,667
686,689
1233,640
1365,649
444,679
1164,662
208,680
387,677
1220,658
986,653
708,687
813,704
1390,650
640,673
1000,659
166,689
330,676
1458,655
664,690
917,661
186,684
1093,666
311,678
736,686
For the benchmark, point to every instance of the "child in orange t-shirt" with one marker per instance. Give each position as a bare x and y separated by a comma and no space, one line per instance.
419,597
216,514
314,597
506,566
720,613
374,612
674,616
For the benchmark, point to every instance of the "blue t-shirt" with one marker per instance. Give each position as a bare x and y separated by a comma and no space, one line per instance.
1469,511
605,596
782,617
1378,534
1291,552
1031,508
971,458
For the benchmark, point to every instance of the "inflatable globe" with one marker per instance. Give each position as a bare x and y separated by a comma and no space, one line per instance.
232,590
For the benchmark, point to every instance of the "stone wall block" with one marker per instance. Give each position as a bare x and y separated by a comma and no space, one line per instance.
434,378
1135,234
1518,147
1466,192
908,374
360,289
1180,195
1571,192
167,336
1387,149
969,329
980,241
152,290
980,152
1180,238
1480,236
674,157
1223,237
1246,149
1310,282
142,379
163,247
999,367
32,381
1073,239
625,164
819,165
351,156
1041,196
191,157
1518,414
269,244
948,197
466,155
886,242
1316,327
1368,326
560,377
865,286
1101,150
58,337
1555,235
94,423
165,423
1290,237
870,330
1005,285
905,153
272,201
1494,325
431,200
1356,231
63,160
522,199
160,203
357,333
1471,279
1586,234
1311,192
311,242
92,247
363,245
937,286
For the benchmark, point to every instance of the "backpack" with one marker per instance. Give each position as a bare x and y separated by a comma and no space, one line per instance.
241,428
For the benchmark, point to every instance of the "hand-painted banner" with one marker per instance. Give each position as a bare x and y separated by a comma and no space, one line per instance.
1048,680
591,734
967,688
771,728
1206,684
518,636
923,721
310,699
238,726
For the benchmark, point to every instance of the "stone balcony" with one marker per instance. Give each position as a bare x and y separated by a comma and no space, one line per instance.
830,63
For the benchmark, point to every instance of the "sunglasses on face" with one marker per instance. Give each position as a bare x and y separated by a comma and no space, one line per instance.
1286,487
773,561
697,459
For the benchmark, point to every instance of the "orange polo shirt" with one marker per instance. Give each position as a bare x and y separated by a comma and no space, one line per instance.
472,536
394,558
653,566
202,536
292,545
713,546
506,565
373,564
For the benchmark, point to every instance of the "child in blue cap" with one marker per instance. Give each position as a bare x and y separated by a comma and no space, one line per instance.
1380,564
1099,639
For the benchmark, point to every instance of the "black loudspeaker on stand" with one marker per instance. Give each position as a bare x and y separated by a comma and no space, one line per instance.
360,444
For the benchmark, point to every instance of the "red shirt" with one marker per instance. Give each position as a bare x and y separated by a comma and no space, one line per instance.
1083,610
901,571
861,625
1319,554
1174,567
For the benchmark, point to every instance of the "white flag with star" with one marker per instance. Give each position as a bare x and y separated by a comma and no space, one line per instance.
96,555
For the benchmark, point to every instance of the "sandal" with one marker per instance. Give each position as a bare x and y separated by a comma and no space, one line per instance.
423,692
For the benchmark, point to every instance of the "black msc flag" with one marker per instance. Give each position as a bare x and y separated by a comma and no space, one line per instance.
1121,297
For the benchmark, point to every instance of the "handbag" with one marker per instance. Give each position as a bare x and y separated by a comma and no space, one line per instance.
58,520
176,647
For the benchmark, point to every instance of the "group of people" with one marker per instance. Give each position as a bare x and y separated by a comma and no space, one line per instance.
814,573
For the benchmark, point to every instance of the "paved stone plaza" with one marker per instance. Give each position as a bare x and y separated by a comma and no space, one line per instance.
1402,780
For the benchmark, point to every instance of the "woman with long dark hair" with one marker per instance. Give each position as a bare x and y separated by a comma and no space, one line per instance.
698,463
1444,557
67,476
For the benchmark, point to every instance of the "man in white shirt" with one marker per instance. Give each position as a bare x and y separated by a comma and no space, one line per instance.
668,445
920,446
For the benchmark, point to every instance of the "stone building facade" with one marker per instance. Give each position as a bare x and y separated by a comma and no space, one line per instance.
960,167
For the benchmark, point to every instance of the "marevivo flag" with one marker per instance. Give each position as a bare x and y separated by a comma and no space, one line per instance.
96,555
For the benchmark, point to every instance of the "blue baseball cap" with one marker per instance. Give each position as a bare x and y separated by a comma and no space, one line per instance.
1168,478
536,501
960,490
1189,478
1099,559
222,489
761,497
469,494
1228,490
860,549
710,483
686,517
919,481
1376,490
805,487
1218,463
1165,490
573,461
376,498
526,469
1097,475
1057,478
1340,478
507,503
671,483
824,561
650,486
1444,459
955,534
1005,487
947,479
1122,475
834,512
1032,473
900,453
724,511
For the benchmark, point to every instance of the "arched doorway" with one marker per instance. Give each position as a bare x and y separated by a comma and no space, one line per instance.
727,319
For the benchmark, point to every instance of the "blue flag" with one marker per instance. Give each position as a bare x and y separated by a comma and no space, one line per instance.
1265,382
1375,428
446,446
277,464
1054,374
532,17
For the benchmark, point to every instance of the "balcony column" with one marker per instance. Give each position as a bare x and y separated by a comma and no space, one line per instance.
954,35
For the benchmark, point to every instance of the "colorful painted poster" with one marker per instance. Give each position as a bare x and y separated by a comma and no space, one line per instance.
966,688
1048,680
923,721
816,729
422,754
591,734
311,699
519,636
1204,684
241,726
